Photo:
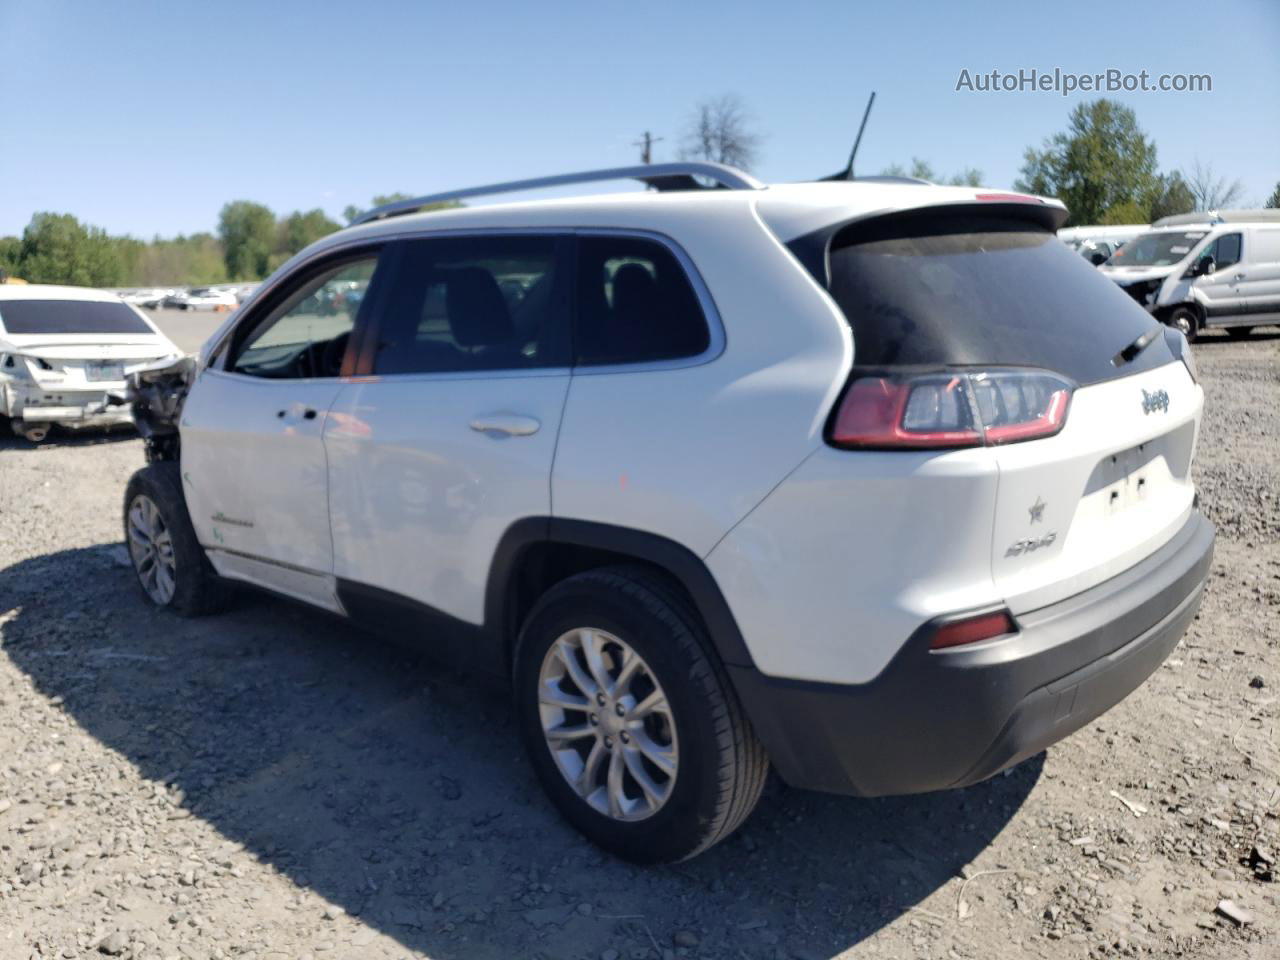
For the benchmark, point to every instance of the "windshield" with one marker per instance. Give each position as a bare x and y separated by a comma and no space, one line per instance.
959,291
1162,249
69,316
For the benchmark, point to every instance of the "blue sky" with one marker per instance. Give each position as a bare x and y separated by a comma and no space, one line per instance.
145,116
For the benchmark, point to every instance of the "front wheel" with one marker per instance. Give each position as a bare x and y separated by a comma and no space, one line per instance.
169,562
1186,319
631,725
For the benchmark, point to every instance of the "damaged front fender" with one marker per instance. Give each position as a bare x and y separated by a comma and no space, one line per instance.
156,396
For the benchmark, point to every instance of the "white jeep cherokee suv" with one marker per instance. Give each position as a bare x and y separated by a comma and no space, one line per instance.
877,483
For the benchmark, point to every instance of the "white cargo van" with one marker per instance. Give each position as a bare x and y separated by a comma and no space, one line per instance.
1201,270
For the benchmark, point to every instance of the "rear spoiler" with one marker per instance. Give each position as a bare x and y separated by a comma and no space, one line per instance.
813,250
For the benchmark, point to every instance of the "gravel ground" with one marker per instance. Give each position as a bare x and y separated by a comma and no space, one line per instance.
271,783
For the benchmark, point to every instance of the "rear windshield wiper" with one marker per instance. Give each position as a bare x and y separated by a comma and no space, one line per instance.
1132,350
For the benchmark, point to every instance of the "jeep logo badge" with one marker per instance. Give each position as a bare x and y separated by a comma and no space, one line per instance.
1156,400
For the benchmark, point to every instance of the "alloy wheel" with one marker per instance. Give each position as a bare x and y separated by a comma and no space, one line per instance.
151,548
608,724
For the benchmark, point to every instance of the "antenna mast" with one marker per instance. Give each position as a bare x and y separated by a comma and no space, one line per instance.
847,172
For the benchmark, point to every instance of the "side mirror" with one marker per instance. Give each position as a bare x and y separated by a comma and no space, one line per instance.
1097,259
1206,266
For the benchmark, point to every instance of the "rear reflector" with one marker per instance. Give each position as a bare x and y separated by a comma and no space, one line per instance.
969,408
985,626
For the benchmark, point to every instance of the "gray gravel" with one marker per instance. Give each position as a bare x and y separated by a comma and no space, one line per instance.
271,783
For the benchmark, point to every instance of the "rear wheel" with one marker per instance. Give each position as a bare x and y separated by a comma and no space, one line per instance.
171,567
1186,319
1239,333
631,725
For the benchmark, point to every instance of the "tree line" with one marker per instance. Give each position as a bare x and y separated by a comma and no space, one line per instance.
1102,166
250,242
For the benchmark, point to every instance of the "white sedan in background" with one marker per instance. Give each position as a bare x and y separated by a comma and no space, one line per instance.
203,298
65,353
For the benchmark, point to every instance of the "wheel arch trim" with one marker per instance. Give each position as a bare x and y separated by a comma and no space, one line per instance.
676,560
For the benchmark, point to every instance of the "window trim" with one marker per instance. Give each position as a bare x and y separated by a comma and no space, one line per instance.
716,339
364,364
276,290
386,245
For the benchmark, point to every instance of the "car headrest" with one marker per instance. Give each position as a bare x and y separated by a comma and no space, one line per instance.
478,314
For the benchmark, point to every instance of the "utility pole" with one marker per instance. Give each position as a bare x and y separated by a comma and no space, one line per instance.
646,146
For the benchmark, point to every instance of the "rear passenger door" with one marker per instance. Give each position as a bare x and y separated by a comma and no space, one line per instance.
449,438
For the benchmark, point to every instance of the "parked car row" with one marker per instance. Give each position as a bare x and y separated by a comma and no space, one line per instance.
213,297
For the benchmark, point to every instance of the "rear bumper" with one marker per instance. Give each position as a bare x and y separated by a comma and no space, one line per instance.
70,407
938,719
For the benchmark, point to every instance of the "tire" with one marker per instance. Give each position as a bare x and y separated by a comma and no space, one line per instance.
1239,333
719,766
1186,319
155,510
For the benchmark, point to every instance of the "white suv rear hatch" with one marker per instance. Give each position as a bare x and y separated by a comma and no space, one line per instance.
1081,496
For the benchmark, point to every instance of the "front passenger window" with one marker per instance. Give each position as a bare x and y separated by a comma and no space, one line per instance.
307,334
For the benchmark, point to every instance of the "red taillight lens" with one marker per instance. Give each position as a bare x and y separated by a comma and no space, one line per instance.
953,409
985,626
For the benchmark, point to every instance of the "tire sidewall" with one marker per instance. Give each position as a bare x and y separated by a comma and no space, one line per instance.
1192,318
162,484
674,831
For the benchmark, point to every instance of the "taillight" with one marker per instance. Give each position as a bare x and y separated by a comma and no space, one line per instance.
960,408
984,626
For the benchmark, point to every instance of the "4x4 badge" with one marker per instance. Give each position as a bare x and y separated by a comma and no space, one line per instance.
1037,510
1156,400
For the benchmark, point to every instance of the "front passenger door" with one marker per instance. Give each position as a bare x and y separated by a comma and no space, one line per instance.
253,458
1219,292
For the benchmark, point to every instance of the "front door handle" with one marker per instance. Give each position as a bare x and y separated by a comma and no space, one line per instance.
506,424
1238,276
296,412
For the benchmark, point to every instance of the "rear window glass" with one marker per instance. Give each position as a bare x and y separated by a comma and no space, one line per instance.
635,304
967,292
69,316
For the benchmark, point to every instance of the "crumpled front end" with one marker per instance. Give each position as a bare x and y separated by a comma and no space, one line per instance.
156,396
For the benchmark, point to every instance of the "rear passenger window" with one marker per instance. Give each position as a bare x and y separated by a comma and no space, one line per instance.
635,304
475,303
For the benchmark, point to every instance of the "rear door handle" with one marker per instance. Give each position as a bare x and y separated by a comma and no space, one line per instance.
506,424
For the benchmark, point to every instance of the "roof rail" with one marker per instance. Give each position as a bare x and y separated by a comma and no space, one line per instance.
1219,216
660,176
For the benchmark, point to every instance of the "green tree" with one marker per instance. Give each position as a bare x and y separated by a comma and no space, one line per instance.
300,230
923,170
1102,159
968,177
1274,200
58,248
10,256
1125,213
248,232
1170,196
